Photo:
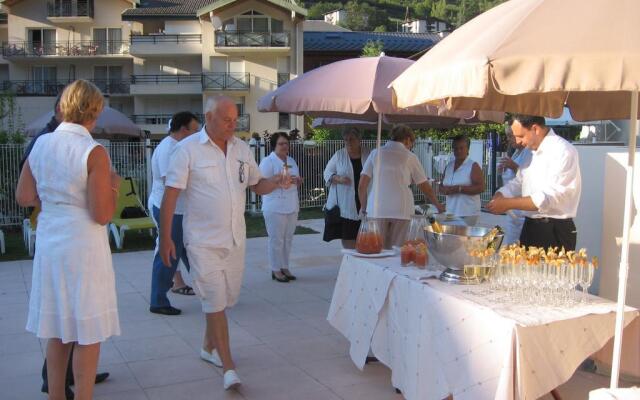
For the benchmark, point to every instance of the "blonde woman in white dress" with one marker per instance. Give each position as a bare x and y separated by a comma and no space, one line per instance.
73,295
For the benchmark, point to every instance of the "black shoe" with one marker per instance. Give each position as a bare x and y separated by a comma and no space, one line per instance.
168,310
275,278
101,377
68,392
288,275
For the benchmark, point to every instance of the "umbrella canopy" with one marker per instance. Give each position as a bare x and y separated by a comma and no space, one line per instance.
357,88
110,123
533,57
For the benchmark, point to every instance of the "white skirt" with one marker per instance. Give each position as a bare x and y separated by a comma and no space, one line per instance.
73,292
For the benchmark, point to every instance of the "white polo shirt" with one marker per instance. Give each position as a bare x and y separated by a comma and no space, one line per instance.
552,179
399,168
214,187
281,201
159,166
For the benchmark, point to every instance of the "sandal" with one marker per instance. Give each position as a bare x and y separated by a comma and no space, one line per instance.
185,290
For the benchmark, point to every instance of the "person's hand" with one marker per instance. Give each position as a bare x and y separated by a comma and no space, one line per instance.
296,180
506,162
115,180
362,213
446,190
498,204
343,180
167,251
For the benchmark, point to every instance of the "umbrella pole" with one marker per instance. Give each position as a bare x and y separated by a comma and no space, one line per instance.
624,256
376,174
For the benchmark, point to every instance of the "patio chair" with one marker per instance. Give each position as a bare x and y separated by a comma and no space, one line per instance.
29,226
130,213
2,245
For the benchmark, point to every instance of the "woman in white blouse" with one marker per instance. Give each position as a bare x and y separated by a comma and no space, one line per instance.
342,175
280,207
462,183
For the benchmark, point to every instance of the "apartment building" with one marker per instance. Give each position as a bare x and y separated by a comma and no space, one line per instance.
154,58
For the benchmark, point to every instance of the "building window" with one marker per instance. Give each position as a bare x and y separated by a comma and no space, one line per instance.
284,121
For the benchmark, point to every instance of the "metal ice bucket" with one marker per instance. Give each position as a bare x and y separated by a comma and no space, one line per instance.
451,248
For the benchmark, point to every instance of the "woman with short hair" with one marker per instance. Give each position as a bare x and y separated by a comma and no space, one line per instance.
342,176
462,183
280,207
73,295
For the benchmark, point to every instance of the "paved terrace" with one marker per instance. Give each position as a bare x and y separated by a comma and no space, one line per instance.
283,346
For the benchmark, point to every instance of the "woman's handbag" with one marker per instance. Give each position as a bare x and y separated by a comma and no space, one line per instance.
332,222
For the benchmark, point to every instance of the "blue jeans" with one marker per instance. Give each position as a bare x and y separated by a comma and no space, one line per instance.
162,276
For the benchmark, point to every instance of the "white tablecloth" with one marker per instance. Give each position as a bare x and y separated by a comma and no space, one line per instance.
438,339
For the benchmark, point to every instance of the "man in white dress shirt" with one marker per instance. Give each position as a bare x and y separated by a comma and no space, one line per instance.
549,187
213,168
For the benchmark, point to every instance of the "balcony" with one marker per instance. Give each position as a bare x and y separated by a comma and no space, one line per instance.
283,78
243,124
80,49
34,88
226,81
166,84
252,41
156,123
112,86
162,44
70,11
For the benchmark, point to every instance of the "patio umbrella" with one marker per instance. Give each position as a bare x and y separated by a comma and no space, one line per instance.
110,123
357,88
534,57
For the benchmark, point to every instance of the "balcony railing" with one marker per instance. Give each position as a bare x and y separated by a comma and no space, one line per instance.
163,38
62,49
283,78
112,86
157,119
226,81
34,88
252,39
243,124
70,9
163,79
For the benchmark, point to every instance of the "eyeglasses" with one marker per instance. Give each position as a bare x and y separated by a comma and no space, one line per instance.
241,171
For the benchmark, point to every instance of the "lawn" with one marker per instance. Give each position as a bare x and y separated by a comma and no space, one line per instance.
136,241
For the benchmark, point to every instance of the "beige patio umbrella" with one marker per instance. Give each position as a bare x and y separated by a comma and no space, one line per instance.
534,57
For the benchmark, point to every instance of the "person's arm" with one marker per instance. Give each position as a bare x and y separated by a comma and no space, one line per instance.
564,182
331,176
26,191
477,182
102,186
167,209
426,188
500,204
257,182
363,191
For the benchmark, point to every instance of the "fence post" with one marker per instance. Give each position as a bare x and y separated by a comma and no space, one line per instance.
253,198
493,143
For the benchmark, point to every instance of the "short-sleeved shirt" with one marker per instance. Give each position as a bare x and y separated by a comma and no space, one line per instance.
280,201
399,168
214,186
159,166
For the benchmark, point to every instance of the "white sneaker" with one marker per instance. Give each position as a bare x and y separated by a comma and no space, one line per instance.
212,357
231,380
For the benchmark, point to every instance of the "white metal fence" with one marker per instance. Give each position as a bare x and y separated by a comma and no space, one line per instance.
132,159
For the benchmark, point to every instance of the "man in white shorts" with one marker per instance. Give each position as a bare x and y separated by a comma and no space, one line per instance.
214,169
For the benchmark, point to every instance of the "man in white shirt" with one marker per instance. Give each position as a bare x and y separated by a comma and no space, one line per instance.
183,124
549,187
213,169
393,204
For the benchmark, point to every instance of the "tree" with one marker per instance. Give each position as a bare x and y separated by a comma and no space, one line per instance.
318,10
372,48
357,16
380,28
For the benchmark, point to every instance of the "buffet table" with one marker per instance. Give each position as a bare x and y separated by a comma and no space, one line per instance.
440,339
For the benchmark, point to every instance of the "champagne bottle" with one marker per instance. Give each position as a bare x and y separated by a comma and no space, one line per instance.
435,225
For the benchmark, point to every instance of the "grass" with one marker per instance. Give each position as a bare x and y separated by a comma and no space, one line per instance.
141,240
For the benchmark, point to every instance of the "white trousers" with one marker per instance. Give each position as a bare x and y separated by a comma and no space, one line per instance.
280,228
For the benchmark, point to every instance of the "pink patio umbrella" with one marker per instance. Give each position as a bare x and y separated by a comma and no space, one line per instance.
110,123
534,57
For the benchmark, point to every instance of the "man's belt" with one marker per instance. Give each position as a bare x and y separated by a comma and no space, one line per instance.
546,220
